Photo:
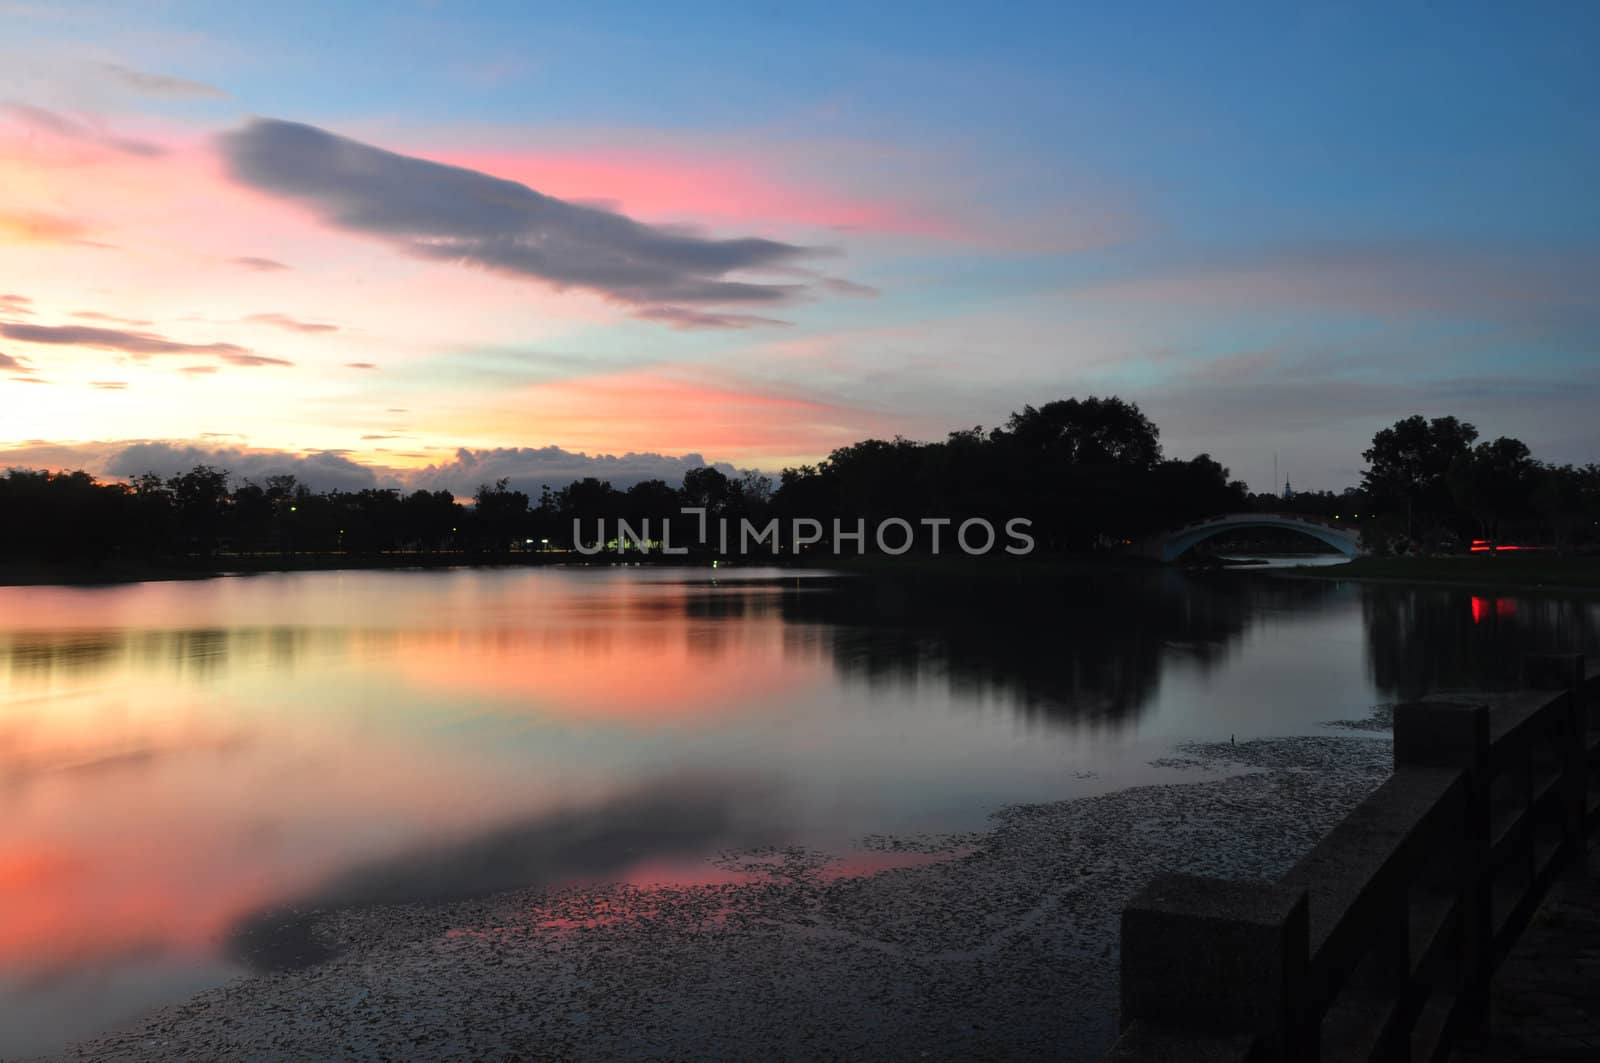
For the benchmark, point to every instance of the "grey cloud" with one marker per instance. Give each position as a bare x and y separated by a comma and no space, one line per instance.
15,304
361,365
836,285
530,468
322,471
59,125
257,265
43,454
449,213
248,358
683,318
138,344
284,321
198,370
13,365
841,286
160,84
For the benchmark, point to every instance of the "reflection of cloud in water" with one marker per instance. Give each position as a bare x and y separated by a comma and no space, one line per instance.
673,818
1082,646
23,761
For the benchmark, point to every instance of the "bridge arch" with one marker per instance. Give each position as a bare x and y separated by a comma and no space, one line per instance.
1171,545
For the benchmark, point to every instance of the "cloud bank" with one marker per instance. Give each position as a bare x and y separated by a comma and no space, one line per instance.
321,470
453,214
529,469
532,468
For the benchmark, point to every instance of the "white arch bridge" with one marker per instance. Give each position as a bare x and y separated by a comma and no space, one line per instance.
1170,545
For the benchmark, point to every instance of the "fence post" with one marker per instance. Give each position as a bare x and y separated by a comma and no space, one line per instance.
1456,735
1220,957
1565,671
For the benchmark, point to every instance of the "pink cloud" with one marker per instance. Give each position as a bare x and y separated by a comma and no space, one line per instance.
721,188
672,410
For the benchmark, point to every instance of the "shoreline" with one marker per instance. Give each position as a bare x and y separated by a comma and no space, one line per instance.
1528,576
1006,949
36,574
1566,575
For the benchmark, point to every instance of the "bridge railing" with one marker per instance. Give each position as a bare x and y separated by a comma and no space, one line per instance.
1307,518
1380,943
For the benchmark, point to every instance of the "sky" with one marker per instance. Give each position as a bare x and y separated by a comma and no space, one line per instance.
431,244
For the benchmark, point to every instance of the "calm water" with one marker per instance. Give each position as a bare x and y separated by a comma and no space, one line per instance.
180,760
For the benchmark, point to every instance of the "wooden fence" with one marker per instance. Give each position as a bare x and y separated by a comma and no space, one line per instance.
1380,943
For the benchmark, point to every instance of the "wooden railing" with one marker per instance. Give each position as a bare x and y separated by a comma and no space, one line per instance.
1380,943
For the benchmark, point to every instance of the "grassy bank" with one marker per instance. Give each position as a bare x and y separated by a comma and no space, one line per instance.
1518,571
39,573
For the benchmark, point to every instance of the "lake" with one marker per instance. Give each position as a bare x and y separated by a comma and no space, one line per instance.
179,761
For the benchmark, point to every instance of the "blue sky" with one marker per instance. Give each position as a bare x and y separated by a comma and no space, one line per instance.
1277,227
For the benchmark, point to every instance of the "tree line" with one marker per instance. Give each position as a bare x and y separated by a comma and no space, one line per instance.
1436,487
1086,473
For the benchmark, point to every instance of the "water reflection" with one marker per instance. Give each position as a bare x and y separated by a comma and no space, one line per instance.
1068,650
179,762
1423,639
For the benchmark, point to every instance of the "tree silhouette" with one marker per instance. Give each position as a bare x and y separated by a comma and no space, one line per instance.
499,515
198,498
1494,482
1409,462
1089,474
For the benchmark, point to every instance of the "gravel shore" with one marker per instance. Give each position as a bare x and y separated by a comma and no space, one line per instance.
1006,948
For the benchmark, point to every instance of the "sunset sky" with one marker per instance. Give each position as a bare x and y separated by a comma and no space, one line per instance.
428,244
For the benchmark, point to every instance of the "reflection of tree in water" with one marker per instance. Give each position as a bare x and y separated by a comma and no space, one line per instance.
35,657
1421,641
1082,647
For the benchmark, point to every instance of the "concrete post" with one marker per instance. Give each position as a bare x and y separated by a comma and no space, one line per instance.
1565,671
1220,957
1456,735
